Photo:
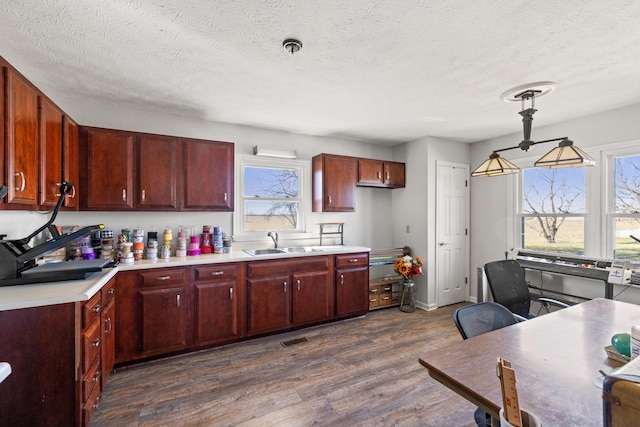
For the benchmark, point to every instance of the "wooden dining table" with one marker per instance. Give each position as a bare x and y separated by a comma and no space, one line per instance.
557,357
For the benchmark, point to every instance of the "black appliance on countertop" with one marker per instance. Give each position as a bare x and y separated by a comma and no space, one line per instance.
18,259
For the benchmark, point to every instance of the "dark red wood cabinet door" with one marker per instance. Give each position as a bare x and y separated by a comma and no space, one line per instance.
51,153
352,291
216,316
208,175
22,140
157,173
311,297
269,304
109,169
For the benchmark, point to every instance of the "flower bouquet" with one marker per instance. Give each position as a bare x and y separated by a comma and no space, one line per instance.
408,266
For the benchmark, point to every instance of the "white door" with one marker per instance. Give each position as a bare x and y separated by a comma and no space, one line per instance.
452,229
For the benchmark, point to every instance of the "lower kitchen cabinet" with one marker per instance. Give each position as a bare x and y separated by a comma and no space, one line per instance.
163,311
269,304
352,284
164,298
164,320
57,355
40,344
291,293
218,299
312,297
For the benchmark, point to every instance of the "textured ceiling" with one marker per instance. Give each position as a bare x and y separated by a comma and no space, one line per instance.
382,71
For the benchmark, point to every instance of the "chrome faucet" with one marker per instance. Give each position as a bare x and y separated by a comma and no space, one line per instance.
274,237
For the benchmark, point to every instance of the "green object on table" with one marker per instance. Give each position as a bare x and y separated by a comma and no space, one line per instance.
622,343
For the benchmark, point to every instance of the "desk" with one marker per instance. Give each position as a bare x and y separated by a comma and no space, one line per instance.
556,357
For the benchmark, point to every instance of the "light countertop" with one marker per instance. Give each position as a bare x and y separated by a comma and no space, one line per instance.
40,294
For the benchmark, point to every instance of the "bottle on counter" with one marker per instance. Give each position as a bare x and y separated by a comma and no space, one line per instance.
181,244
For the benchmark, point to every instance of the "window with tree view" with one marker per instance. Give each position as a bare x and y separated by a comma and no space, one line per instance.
626,215
271,197
553,208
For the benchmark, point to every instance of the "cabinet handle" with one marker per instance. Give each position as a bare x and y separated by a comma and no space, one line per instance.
97,403
342,279
298,284
144,195
111,291
386,289
58,186
329,197
388,176
373,291
96,376
24,181
164,277
285,286
97,308
217,273
96,342
109,325
353,260
72,195
378,174
178,300
231,294
124,194
226,197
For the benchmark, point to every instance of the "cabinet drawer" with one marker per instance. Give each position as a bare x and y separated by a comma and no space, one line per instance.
91,310
163,277
91,345
90,406
108,292
91,379
216,273
384,299
374,300
271,268
352,260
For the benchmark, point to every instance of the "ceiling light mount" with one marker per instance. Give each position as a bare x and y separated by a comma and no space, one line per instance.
563,156
292,46
538,89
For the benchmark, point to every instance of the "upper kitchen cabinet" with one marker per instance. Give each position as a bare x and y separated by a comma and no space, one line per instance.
50,152
157,175
378,173
208,175
148,172
71,168
108,166
21,150
334,183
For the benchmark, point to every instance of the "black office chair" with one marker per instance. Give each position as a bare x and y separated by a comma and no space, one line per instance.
509,288
477,319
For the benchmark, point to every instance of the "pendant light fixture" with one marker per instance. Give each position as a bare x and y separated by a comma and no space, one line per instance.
563,156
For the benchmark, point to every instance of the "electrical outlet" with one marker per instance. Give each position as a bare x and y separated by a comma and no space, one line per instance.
407,230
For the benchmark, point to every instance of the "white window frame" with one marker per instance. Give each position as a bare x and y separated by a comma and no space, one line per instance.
519,213
599,226
304,182
608,207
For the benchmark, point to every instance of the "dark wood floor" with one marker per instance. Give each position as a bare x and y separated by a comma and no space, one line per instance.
361,372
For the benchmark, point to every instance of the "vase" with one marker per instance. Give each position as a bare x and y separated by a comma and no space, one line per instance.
408,298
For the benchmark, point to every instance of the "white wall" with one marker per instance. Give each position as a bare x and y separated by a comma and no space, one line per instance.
492,222
415,205
368,226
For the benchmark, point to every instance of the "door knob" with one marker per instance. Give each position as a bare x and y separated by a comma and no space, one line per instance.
442,243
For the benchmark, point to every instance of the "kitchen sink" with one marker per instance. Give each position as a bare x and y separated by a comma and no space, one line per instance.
264,251
290,250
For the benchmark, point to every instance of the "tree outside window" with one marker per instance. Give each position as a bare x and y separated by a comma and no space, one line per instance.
553,209
627,208
271,198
